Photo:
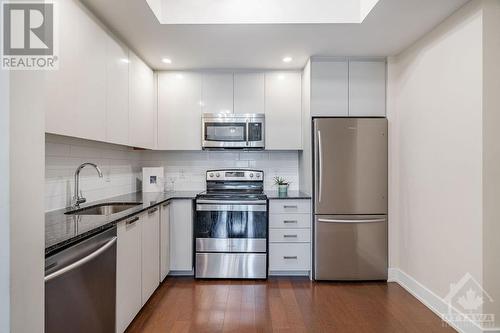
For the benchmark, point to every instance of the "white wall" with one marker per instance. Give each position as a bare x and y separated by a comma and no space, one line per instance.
187,168
4,202
27,126
120,165
435,130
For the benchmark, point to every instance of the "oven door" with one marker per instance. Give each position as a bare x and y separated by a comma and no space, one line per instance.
231,226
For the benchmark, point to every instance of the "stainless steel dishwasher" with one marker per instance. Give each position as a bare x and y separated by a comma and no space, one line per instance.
80,286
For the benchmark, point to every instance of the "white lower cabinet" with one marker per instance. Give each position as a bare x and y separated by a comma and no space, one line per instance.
289,236
150,253
181,225
137,265
289,257
128,272
164,241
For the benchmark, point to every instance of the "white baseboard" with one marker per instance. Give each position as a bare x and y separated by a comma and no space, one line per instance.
435,303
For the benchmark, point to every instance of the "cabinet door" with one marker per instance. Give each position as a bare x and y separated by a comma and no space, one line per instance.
181,236
76,92
128,272
164,241
329,88
249,93
150,223
283,110
117,86
217,93
179,111
142,113
367,88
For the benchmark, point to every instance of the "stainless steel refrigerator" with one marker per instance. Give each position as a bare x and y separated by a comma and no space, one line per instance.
350,198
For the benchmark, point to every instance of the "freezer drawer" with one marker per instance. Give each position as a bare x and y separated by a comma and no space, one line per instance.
350,159
350,247
231,265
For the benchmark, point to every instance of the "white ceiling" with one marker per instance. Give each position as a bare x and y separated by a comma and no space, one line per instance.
260,11
391,26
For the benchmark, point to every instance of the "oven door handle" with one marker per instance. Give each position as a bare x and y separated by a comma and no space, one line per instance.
231,202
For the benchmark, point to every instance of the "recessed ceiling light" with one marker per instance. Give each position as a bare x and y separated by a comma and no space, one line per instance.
287,59
125,60
166,60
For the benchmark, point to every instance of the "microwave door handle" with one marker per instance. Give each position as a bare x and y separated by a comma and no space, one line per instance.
246,134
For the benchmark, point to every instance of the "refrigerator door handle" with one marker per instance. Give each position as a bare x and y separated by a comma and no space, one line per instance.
320,165
351,221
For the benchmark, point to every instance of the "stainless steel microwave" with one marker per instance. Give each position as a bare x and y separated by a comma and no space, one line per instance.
233,131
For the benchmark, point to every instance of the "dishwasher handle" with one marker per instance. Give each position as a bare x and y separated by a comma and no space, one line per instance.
82,261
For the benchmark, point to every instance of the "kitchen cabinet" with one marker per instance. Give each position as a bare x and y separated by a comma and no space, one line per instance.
367,88
179,111
142,110
217,92
150,230
329,88
181,231
117,94
249,91
128,272
289,236
164,240
283,105
76,92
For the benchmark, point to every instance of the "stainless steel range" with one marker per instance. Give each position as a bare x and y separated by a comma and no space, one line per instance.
231,226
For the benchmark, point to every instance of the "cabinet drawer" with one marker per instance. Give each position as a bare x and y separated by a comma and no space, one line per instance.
289,220
290,235
289,206
289,257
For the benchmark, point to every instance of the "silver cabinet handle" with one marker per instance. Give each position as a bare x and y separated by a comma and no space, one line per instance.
289,236
151,211
166,204
82,261
351,221
132,221
290,221
290,206
290,257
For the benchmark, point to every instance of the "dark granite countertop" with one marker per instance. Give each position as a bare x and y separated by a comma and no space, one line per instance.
62,230
272,195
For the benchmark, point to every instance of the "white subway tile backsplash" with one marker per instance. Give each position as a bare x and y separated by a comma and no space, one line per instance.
122,168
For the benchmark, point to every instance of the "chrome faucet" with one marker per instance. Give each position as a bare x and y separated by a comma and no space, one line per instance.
78,197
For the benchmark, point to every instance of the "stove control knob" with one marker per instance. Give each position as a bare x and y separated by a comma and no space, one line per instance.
251,175
258,175
217,174
211,174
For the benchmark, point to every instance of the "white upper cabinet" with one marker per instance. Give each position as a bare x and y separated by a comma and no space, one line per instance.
249,91
179,111
142,110
283,110
117,85
76,92
217,93
329,88
367,86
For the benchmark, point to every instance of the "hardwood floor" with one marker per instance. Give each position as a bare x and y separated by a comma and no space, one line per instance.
284,304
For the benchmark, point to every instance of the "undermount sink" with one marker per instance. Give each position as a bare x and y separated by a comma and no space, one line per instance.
105,208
